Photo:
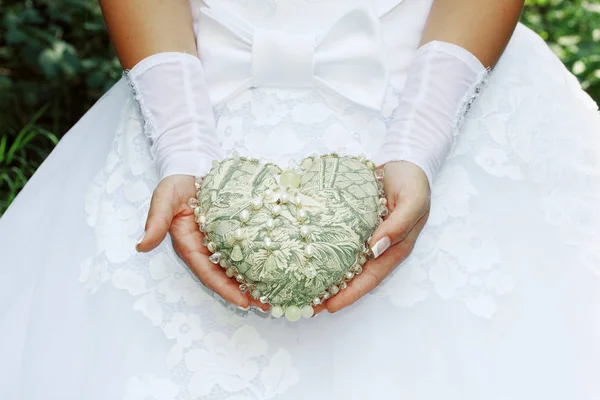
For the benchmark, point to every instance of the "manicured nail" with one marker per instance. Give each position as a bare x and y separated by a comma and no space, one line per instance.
243,308
140,240
381,246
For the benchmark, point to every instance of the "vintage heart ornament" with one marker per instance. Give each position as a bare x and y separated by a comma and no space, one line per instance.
291,238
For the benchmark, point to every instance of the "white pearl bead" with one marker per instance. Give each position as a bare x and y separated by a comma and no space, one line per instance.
304,231
270,224
277,312
307,311
276,210
293,313
193,202
257,203
268,243
264,299
383,211
334,289
238,234
290,178
302,215
285,197
244,215
349,275
297,200
309,250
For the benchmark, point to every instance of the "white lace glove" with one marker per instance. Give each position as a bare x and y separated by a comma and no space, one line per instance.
443,80
177,112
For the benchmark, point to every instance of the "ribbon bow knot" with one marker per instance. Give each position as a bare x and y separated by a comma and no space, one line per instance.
348,60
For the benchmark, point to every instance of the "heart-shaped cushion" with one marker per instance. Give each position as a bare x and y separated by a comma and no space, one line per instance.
292,238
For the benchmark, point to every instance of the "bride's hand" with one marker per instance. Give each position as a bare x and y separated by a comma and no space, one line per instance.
169,212
408,195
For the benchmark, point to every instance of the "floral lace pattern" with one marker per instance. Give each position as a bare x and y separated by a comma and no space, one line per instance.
220,344
218,353
466,266
554,155
507,140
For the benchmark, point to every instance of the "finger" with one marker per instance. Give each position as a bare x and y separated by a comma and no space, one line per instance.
187,242
397,225
160,216
213,277
376,270
319,309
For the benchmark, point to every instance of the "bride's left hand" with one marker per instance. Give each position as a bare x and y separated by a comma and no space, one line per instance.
408,195
169,212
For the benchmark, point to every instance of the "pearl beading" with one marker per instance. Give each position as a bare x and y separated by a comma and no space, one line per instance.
286,192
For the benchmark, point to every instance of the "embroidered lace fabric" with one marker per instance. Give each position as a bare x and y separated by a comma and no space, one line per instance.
460,257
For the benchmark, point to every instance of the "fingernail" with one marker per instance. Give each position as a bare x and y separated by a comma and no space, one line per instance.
243,308
381,246
140,240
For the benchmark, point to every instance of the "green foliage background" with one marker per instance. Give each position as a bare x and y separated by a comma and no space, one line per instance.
56,61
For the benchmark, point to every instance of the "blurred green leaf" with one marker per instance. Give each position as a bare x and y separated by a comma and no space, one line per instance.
572,30
55,61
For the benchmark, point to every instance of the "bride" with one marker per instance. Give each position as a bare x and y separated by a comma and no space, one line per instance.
485,276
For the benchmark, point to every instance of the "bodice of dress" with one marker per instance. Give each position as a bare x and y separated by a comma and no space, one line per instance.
309,76
282,43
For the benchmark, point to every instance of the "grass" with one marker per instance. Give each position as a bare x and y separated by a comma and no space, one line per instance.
21,153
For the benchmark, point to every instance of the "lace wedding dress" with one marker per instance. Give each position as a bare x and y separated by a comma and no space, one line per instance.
499,300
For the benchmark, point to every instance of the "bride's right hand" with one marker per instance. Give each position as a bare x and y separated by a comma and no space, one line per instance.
169,212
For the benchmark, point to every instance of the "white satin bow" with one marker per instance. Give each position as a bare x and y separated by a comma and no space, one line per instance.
347,60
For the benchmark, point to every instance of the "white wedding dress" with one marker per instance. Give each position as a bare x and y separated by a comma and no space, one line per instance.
500,299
